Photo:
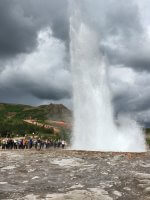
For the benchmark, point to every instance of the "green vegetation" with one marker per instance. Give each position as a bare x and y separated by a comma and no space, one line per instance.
42,113
64,134
12,122
148,141
147,131
12,118
11,128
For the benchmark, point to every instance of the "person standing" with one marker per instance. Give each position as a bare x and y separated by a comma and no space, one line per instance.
63,144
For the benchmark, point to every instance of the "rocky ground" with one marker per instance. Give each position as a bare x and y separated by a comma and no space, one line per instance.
76,175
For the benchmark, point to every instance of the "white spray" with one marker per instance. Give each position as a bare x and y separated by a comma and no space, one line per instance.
94,127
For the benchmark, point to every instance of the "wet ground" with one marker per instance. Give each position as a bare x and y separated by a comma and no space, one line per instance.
75,175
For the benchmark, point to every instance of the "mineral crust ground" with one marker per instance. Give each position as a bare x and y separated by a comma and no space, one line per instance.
74,175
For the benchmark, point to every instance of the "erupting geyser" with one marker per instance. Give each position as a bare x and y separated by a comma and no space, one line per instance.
94,125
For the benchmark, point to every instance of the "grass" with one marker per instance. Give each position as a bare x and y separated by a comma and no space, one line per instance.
12,118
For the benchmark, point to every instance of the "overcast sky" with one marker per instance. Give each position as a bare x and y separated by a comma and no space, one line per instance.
34,52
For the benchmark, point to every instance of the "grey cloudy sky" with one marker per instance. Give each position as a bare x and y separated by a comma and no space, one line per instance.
34,51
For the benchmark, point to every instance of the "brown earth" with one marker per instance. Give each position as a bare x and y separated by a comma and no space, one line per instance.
34,122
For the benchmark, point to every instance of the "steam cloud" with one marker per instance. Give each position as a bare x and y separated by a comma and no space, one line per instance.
94,124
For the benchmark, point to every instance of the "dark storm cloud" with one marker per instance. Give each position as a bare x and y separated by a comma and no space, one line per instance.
20,24
123,39
21,20
135,57
53,13
119,22
137,107
50,93
131,102
42,74
17,31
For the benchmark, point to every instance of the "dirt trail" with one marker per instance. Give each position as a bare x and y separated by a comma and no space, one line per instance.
34,122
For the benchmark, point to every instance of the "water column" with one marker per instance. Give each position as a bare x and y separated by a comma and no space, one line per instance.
94,127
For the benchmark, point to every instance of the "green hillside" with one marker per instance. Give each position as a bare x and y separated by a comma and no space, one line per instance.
44,112
12,118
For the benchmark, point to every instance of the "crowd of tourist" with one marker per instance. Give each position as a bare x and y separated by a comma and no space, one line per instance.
31,143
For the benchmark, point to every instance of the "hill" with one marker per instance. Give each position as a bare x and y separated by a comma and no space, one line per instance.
44,112
16,119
